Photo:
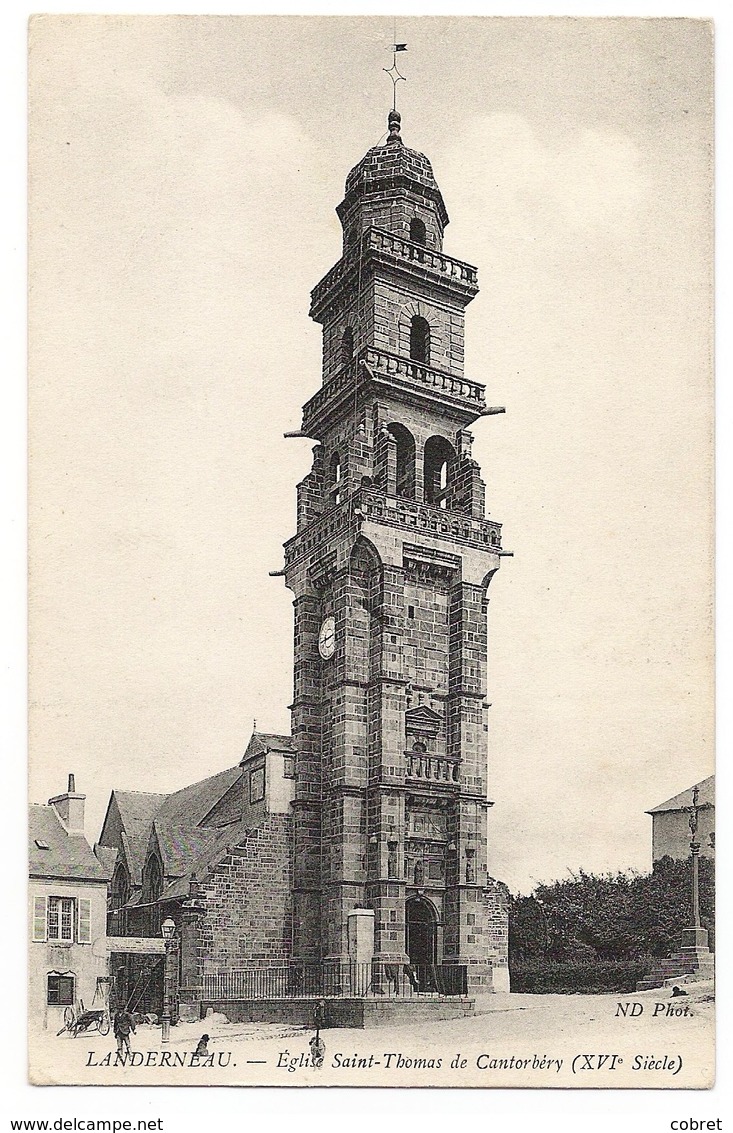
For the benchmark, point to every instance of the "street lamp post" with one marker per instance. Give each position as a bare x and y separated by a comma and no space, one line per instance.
168,930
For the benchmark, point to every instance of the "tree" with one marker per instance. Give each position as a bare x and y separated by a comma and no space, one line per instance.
611,917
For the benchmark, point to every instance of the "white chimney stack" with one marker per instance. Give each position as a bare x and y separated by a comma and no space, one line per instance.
70,808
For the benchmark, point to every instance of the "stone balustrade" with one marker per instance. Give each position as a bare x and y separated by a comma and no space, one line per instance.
379,241
386,364
432,768
416,516
410,515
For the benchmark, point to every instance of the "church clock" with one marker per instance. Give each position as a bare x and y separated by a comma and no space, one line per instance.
327,639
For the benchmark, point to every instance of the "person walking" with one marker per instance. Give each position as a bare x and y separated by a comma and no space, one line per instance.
124,1024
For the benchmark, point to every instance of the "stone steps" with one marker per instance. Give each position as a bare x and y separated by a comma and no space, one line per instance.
696,963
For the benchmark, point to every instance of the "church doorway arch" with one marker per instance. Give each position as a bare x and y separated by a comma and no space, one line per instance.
421,924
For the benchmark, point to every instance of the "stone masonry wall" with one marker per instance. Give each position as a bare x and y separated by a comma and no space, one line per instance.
496,912
248,919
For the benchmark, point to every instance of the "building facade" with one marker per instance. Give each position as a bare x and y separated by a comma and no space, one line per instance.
671,823
363,836
390,568
215,857
68,913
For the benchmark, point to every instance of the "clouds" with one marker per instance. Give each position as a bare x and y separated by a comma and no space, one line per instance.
587,185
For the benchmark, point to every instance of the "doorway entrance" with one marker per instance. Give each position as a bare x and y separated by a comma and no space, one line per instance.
421,925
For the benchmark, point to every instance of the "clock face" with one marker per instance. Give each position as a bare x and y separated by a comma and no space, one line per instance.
327,639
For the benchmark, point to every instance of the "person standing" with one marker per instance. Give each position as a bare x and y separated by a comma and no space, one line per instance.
124,1025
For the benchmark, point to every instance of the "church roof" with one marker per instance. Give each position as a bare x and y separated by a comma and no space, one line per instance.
55,853
392,159
706,797
191,804
181,846
261,742
185,808
107,858
175,822
136,809
393,162
220,839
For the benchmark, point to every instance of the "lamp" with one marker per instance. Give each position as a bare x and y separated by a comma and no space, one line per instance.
168,931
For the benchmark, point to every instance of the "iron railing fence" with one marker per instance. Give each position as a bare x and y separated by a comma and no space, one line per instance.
332,979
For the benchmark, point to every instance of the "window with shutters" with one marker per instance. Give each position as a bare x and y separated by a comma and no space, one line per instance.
62,919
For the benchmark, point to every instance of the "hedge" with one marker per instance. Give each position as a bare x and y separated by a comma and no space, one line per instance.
586,976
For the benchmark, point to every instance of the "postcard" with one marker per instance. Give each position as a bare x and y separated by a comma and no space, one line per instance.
371,685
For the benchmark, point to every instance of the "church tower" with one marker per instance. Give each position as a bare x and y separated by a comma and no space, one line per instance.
389,569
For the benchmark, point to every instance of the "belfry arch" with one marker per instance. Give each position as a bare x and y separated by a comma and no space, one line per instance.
405,473
438,467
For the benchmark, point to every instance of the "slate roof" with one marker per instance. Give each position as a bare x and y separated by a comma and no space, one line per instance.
137,810
223,839
182,846
175,822
706,797
69,857
190,805
267,741
107,858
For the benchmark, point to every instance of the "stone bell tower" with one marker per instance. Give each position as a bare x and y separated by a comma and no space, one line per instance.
389,569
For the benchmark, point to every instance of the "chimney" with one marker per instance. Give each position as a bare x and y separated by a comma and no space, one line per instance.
70,808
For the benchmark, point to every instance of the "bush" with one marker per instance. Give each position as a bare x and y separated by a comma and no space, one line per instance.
543,976
622,916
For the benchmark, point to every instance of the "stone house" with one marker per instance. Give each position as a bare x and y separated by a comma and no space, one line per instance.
670,823
68,912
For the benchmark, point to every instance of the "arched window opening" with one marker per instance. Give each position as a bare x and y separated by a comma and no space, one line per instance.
336,478
118,897
420,340
152,890
439,459
405,460
417,231
347,346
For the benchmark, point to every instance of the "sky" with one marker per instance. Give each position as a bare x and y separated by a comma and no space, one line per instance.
184,175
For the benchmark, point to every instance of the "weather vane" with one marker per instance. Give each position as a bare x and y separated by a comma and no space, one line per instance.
394,73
